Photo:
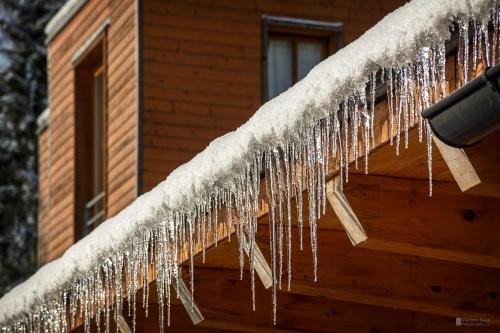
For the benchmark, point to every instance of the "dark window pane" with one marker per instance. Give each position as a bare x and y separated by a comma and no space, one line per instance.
98,133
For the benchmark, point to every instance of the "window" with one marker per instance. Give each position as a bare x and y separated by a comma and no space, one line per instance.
90,106
290,58
292,47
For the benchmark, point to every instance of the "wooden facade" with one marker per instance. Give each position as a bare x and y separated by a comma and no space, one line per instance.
58,155
198,74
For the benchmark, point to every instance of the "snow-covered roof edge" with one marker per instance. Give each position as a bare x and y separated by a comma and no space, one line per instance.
392,43
43,120
62,17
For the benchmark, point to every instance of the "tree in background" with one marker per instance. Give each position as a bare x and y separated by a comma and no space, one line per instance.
23,95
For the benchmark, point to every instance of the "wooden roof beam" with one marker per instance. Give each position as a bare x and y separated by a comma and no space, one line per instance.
123,325
459,165
344,212
187,301
261,266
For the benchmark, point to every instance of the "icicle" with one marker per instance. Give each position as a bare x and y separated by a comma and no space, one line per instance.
191,260
463,43
464,29
272,228
338,146
479,32
412,87
319,166
432,73
474,46
229,209
484,30
145,271
366,115
286,162
390,100
280,212
425,77
254,175
429,154
399,76
240,233
460,50
345,125
355,131
203,231
406,104
373,84
107,289
216,218
312,179
441,65
495,34
299,190
325,133
118,287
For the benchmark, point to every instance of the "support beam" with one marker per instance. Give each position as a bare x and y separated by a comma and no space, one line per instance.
186,300
460,167
344,212
123,325
260,264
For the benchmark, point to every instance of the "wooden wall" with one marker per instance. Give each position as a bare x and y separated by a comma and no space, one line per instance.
202,63
57,221
44,200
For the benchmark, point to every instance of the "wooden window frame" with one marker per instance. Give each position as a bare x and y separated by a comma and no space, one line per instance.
332,32
94,47
294,39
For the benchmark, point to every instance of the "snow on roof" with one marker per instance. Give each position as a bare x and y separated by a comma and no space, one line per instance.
62,17
187,194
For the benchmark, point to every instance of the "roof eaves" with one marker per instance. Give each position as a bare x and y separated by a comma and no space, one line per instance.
43,121
62,17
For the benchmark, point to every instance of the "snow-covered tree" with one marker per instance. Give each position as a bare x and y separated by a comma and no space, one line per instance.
23,95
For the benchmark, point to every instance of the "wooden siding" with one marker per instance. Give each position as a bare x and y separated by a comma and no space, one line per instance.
58,235
44,201
202,68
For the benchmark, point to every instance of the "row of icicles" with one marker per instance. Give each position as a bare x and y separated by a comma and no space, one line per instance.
332,144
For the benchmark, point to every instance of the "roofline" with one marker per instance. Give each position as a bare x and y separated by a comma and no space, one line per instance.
62,18
43,121
304,23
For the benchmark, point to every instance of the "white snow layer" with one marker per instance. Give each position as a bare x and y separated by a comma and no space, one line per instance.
393,42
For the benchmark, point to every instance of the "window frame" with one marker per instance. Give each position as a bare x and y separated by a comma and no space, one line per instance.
294,40
295,27
88,199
